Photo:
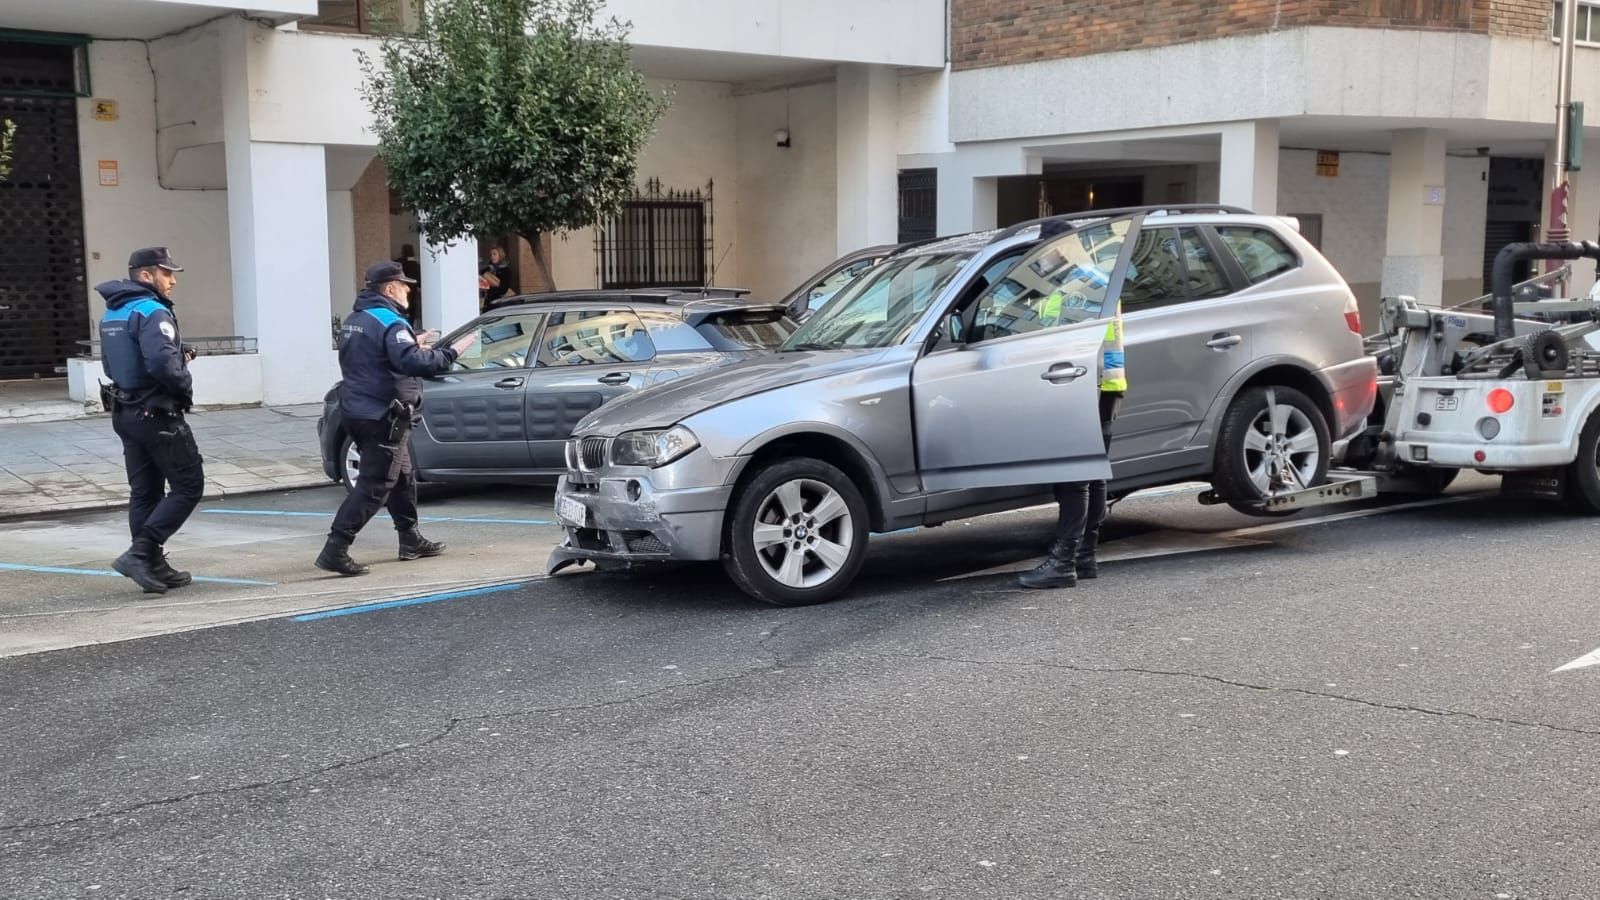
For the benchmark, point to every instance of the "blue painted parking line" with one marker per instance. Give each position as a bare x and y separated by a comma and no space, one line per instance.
410,601
470,520
68,570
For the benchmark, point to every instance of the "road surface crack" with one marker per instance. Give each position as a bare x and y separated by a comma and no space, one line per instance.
1264,688
449,728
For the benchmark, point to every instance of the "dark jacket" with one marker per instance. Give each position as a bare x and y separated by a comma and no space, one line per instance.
380,359
140,349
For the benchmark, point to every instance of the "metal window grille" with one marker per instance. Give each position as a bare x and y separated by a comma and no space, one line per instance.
662,238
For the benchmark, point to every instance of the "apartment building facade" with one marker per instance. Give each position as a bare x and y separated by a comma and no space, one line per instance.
237,136
1412,138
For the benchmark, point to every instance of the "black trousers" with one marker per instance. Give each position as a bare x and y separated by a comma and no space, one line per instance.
165,477
1081,505
384,480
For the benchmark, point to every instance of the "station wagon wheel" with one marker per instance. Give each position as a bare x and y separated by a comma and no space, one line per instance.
1273,440
349,463
797,533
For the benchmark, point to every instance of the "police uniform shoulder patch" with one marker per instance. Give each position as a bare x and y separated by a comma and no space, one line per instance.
169,331
404,337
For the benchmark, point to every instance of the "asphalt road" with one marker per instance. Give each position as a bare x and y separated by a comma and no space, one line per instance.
1364,706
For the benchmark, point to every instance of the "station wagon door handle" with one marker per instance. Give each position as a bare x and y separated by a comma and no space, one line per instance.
1224,341
1061,373
615,378
508,383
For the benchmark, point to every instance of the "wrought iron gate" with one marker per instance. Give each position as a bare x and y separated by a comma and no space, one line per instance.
661,239
919,204
43,297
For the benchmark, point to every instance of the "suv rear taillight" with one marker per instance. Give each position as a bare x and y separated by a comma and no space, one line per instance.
1352,315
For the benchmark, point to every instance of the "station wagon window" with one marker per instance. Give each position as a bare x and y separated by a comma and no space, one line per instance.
589,337
1057,283
1260,253
822,293
501,343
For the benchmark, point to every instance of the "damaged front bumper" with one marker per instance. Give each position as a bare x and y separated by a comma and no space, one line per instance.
625,520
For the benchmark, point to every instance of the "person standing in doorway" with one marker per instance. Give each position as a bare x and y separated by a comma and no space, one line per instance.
1081,505
382,361
151,390
495,276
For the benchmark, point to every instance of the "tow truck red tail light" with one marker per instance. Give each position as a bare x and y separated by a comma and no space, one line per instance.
1501,401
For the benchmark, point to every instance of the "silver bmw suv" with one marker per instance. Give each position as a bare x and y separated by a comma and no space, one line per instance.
958,378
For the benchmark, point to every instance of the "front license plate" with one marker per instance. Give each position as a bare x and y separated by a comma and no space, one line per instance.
571,511
1447,403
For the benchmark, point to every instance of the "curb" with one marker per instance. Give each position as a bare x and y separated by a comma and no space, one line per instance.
122,503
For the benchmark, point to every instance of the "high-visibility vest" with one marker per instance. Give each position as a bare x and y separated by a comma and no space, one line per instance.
1113,362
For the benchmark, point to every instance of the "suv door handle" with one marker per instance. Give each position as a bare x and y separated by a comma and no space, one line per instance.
508,383
1061,373
615,378
1224,340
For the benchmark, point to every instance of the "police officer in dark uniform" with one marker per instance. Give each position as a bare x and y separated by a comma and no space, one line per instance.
151,390
382,360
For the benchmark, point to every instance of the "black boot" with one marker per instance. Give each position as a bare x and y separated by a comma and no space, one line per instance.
335,558
169,576
1057,571
414,546
1084,561
138,563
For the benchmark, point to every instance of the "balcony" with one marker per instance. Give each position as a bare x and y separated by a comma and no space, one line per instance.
136,18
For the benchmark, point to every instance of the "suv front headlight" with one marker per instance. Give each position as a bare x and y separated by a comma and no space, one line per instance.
656,447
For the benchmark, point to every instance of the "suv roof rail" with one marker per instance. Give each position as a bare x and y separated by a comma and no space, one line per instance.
1088,215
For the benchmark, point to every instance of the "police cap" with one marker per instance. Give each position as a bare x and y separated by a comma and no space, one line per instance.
388,270
151,258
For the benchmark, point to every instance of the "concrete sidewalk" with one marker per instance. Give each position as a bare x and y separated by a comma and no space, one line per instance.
77,464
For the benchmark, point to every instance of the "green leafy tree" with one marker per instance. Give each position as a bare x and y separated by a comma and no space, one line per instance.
8,130
510,117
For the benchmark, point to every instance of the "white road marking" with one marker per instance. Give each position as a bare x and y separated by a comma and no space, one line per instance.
1173,543
1590,659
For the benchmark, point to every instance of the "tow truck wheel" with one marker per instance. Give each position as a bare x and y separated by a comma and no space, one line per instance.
1273,440
1583,476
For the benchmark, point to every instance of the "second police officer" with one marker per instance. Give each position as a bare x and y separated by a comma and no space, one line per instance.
382,361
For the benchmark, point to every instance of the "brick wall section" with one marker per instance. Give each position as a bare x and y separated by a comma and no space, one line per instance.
1006,32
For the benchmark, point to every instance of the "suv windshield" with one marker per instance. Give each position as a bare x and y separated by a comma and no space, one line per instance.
880,308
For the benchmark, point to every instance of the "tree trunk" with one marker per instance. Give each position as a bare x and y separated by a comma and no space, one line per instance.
541,264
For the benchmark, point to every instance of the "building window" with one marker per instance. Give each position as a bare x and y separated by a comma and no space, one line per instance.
1587,30
662,238
365,16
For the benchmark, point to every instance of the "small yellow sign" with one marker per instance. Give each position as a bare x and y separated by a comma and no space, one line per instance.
1328,163
1554,387
109,176
105,110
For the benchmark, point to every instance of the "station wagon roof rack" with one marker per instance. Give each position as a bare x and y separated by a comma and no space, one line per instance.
620,295
1095,215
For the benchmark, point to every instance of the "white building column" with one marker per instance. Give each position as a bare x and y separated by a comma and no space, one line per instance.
1248,174
868,192
278,243
1413,263
449,284
278,223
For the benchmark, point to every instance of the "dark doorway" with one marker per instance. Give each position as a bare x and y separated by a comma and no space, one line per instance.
919,204
44,305
1516,201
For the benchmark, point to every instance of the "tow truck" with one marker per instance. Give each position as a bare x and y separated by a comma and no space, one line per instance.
1512,391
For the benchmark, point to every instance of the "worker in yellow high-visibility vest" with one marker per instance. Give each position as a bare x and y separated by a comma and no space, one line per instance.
1081,505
